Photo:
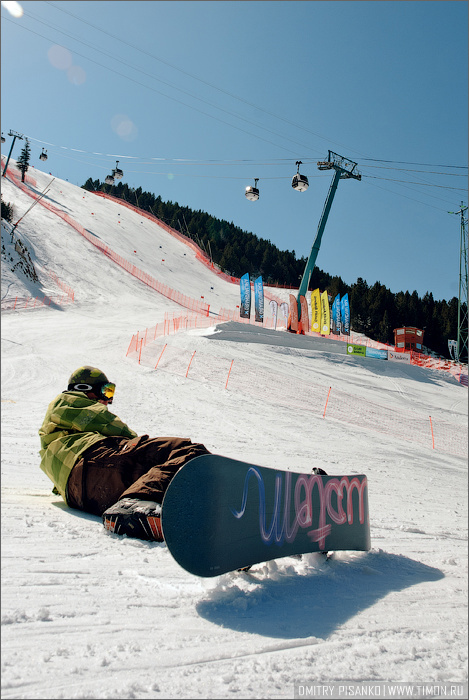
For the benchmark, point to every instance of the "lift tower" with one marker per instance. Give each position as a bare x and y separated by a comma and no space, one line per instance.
15,135
461,348
343,169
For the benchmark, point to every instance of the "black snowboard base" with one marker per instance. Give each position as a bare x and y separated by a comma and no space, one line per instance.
222,515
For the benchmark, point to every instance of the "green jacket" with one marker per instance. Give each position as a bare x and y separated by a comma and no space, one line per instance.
73,423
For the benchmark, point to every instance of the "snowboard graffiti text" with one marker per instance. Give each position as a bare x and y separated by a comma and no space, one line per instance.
328,500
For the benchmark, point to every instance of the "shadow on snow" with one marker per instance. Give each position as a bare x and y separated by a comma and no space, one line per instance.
315,602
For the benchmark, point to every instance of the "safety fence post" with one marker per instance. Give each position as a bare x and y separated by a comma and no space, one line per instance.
161,355
327,401
229,372
132,342
433,437
190,362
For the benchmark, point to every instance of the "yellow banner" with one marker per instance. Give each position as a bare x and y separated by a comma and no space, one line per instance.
325,315
315,311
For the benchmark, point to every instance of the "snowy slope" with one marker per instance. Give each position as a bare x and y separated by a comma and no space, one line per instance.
86,614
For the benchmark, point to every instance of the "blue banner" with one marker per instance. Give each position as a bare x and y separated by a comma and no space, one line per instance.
335,328
345,315
245,288
259,299
376,352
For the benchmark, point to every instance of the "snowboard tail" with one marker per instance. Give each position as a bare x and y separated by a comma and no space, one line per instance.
221,514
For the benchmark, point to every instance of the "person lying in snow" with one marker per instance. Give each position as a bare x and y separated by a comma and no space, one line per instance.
99,465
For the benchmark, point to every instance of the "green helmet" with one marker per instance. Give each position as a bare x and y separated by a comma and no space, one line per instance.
88,379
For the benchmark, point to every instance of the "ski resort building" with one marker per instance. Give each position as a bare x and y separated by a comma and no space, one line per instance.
408,338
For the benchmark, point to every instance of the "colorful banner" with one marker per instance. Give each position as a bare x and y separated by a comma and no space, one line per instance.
325,315
259,299
304,315
363,351
453,349
245,288
403,357
377,353
284,310
293,325
336,315
274,312
315,311
356,349
345,315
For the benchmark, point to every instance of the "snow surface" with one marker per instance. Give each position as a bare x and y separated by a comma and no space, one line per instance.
87,614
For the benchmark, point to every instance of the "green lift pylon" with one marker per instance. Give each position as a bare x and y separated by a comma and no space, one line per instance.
461,347
15,135
343,169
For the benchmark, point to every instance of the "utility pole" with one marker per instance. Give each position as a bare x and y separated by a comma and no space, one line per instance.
344,169
461,348
15,136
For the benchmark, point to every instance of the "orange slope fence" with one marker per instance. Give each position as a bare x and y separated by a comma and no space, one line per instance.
286,391
172,324
200,254
19,303
456,369
165,290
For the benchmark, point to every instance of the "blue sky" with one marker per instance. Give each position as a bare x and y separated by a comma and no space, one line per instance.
196,99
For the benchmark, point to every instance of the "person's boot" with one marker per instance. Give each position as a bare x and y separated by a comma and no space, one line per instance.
135,518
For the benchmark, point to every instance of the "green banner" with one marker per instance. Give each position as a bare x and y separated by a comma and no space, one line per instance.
356,349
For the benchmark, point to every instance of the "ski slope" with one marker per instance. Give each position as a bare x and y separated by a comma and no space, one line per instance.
87,614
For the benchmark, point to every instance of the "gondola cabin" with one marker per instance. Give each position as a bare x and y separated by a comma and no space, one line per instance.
252,193
299,182
118,173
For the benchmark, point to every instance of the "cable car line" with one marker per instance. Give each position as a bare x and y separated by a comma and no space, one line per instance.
425,172
213,162
399,194
205,82
429,165
210,104
239,117
422,184
185,92
229,177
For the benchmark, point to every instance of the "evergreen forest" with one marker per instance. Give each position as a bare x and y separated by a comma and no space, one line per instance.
374,309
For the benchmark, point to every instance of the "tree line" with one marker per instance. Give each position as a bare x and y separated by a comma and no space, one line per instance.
374,309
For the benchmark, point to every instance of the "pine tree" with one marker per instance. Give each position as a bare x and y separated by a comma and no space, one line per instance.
7,211
23,160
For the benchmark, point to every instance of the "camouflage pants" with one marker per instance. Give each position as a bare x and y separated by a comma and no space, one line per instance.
115,468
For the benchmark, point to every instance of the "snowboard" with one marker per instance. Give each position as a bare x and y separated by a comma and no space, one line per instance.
220,514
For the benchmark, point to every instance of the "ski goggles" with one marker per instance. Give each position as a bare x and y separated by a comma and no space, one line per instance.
102,391
107,391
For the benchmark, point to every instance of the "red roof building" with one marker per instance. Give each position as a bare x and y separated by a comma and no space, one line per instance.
408,338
